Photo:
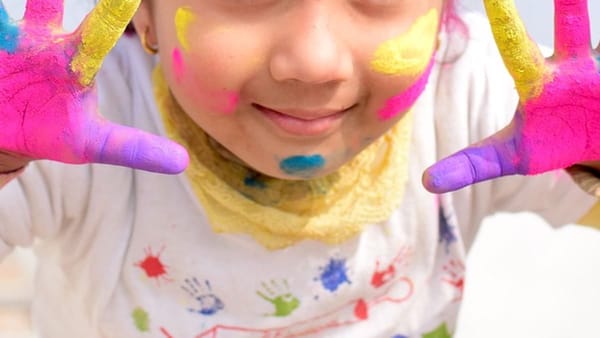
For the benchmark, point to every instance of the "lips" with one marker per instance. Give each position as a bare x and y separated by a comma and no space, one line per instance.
302,122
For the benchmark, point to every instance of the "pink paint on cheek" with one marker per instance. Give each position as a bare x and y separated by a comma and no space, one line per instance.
403,101
221,101
178,64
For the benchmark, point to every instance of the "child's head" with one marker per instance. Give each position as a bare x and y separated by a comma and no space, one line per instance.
294,88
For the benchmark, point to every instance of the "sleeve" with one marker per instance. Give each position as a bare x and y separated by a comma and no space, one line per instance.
31,206
49,197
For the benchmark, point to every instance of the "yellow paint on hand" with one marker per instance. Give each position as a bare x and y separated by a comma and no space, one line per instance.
410,53
521,55
184,17
99,33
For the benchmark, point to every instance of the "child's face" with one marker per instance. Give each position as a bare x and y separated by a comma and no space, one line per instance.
294,88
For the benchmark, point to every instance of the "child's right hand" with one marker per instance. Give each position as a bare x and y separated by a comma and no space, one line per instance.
48,103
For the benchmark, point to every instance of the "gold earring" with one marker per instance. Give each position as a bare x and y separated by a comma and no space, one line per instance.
150,49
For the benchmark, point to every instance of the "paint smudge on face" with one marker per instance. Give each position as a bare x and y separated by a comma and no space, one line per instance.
184,17
9,33
141,319
403,101
334,274
178,64
408,54
303,166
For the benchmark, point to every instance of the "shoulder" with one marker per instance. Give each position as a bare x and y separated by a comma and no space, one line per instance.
119,81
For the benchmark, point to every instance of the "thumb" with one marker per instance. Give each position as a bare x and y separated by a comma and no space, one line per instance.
493,157
124,146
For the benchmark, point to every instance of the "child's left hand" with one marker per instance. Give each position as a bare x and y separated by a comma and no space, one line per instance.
557,123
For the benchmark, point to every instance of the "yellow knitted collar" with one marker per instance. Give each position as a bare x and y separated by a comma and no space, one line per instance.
278,213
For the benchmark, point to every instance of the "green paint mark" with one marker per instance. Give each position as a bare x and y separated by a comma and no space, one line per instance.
141,319
284,302
440,332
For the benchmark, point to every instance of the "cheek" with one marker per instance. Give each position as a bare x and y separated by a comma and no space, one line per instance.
401,102
409,53
199,93
198,69
409,56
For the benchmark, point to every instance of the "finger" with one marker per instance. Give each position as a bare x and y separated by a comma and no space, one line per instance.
44,12
491,159
571,28
99,33
521,55
133,148
9,32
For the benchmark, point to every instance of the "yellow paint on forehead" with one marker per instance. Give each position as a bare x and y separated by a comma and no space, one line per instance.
410,53
184,17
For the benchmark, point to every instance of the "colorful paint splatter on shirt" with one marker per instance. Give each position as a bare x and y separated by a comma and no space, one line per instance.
334,274
279,295
141,319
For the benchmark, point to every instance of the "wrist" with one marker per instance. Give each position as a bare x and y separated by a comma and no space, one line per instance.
12,163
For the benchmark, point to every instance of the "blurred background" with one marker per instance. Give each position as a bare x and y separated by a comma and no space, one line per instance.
557,289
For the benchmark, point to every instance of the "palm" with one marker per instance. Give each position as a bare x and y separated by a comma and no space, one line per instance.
47,97
557,123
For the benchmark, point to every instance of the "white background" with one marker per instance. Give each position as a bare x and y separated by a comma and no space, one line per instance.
524,280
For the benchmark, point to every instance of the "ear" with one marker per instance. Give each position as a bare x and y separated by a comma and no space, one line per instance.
143,21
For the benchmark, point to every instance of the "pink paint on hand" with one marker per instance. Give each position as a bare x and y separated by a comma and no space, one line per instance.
556,129
47,114
403,101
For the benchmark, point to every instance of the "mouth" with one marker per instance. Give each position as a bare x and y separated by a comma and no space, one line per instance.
304,122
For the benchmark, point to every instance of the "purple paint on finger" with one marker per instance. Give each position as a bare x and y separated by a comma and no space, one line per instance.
472,165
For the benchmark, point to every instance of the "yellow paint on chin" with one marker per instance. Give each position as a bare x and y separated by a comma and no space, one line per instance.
184,17
410,53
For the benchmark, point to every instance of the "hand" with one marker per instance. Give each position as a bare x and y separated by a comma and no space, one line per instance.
48,103
557,123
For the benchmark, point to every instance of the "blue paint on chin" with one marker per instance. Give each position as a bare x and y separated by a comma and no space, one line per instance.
9,33
302,165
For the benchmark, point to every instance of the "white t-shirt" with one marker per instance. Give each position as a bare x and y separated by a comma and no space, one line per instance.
126,253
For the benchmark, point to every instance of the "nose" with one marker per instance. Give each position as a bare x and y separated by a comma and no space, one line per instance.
310,51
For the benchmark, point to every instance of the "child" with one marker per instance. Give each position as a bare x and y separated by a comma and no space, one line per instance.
308,125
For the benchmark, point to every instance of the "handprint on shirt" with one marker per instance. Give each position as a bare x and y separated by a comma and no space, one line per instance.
557,123
209,303
48,101
279,295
